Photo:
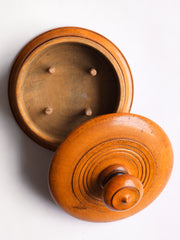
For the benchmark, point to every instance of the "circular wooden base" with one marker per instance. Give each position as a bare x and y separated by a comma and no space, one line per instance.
96,147
63,78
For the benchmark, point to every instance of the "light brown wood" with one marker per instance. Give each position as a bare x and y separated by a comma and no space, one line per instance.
53,70
111,167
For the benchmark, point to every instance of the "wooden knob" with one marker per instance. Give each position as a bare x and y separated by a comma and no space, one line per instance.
111,167
122,192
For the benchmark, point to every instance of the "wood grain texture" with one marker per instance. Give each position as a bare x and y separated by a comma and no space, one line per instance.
111,167
68,70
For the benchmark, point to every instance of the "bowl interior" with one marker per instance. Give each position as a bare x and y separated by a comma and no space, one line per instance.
68,91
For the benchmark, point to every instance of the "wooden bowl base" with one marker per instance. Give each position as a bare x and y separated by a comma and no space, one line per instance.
69,91
63,78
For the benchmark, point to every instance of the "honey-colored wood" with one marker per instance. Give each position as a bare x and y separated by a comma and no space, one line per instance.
121,191
111,167
67,69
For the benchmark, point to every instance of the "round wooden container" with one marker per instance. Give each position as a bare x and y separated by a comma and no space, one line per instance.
63,78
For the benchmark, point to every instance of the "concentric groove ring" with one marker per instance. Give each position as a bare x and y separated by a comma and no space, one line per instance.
130,141
112,152
119,191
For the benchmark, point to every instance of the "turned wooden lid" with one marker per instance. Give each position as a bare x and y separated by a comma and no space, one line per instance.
111,167
65,77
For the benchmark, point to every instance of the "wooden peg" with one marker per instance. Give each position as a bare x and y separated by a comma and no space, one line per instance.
93,72
88,112
122,192
51,70
48,110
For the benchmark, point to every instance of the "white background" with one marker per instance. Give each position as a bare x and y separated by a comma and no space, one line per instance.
148,33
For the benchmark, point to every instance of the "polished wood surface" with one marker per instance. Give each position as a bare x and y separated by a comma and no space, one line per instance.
63,78
122,192
111,167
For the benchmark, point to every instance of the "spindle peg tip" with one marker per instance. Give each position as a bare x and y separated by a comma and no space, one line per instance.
48,110
93,72
51,70
88,112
